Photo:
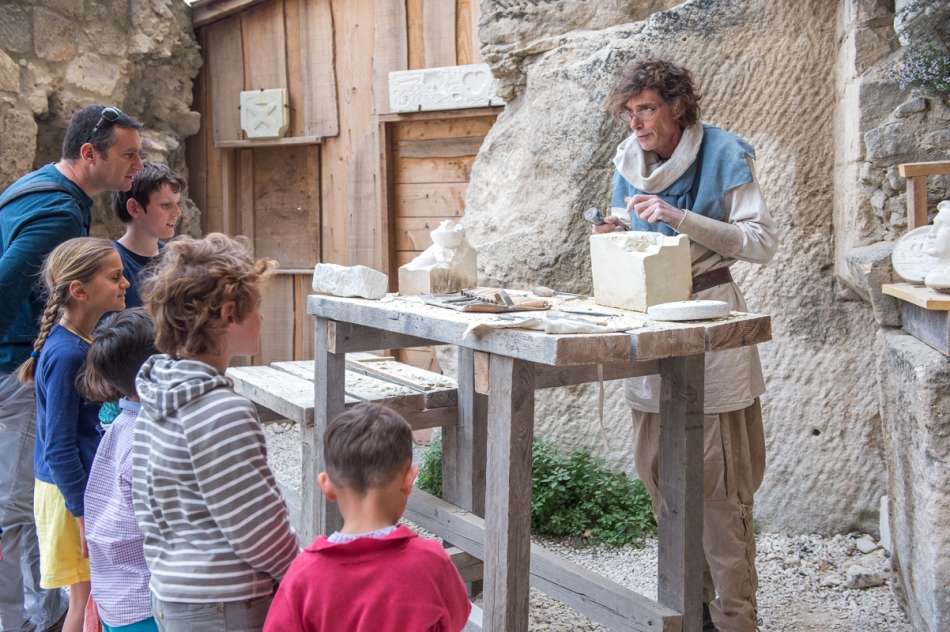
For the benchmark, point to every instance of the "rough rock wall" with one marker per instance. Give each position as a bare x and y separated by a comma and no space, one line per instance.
767,72
880,125
915,401
56,57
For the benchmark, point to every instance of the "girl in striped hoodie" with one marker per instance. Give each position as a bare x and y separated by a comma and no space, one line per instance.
217,532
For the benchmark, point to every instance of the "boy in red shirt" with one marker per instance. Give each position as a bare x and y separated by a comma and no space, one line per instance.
373,575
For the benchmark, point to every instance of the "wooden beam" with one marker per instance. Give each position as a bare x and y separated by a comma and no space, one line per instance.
508,494
593,595
464,445
739,333
320,516
228,193
385,219
245,201
438,33
271,142
442,115
555,376
225,60
391,50
208,11
318,61
916,202
933,168
347,338
680,539
440,147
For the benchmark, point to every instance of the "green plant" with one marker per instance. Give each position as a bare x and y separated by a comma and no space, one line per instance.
925,67
574,495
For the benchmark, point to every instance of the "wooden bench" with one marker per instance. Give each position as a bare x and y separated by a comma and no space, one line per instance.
285,390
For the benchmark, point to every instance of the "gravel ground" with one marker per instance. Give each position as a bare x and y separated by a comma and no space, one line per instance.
802,579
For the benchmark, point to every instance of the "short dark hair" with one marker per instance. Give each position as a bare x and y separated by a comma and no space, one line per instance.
673,83
150,179
84,122
120,345
366,447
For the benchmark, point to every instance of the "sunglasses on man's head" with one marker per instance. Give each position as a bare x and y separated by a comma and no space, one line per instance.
107,118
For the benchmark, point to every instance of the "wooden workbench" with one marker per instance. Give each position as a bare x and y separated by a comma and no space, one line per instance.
486,509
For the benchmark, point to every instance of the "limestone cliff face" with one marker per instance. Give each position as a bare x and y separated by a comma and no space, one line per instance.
767,71
57,56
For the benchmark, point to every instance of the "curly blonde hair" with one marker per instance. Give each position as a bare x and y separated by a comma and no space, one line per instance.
673,83
77,259
185,290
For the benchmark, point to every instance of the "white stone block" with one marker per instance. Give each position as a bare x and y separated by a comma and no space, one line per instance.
448,265
688,310
447,88
265,113
634,269
349,281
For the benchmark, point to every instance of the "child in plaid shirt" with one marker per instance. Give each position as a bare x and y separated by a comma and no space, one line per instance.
116,556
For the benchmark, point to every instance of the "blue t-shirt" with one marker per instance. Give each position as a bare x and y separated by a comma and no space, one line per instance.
132,266
67,426
31,225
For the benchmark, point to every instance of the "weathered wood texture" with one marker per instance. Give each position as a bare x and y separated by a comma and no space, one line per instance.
652,341
595,596
680,538
916,174
508,494
333,57
929,326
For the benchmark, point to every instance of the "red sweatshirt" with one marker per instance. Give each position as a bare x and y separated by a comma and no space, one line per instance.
399,583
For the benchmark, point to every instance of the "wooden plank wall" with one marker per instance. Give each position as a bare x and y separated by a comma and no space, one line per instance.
305,203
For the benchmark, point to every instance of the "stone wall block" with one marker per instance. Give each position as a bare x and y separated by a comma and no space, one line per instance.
9,74
16,28
891,141
869,267
54,36
914,392
914,105
93,73
17,139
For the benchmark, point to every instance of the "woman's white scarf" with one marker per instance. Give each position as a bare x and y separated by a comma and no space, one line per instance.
638,167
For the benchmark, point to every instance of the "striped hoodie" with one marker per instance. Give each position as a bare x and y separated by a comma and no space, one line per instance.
216,529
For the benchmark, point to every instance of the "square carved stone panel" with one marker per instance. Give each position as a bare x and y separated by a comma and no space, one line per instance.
265,113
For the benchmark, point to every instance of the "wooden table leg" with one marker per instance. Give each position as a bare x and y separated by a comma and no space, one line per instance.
508,494
464,447
680,563
321,517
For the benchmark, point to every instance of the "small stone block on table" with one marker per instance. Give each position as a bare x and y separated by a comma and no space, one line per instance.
349,281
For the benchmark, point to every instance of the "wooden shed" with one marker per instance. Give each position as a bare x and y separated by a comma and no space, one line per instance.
350,182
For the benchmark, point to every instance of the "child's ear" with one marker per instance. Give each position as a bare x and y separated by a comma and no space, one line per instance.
227,312
133,208
409,479
77,291
326,486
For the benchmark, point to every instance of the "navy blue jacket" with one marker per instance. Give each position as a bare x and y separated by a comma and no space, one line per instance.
67,426
31,226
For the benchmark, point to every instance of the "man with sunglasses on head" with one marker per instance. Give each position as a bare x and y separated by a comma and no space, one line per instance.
101,152
676,175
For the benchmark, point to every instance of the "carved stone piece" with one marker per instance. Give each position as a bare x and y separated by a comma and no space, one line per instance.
637,269
688,310
448,265
349,281
938,246
265,113
447,88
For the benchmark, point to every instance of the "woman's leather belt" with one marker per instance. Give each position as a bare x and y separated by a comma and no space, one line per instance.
706,280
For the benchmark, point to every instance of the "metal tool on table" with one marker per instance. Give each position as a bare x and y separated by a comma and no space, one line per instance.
485,299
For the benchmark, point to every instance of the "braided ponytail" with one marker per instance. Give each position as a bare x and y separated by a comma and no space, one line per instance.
77,259
54,307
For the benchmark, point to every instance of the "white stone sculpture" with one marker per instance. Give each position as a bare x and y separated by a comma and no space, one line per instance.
447,88
938,246
637,269
448,265
349,281
265,113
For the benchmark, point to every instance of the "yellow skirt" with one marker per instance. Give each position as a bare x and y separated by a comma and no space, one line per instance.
61,560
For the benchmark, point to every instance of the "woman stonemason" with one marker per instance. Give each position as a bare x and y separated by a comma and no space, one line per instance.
676,175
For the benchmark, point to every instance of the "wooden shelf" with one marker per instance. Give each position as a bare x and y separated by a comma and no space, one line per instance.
440,114
270,142
918,295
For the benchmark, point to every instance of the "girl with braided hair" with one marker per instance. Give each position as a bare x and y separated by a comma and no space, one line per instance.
83,278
